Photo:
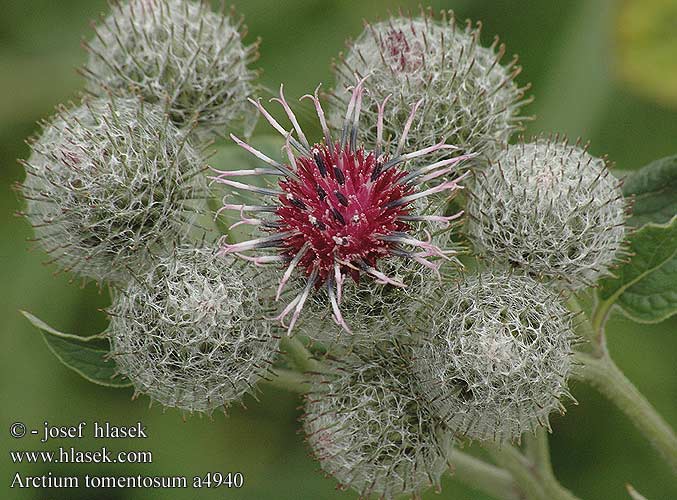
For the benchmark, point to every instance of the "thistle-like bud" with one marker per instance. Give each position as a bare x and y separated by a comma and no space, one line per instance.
468,98
191,333
368,426
496,355
549,207
177,53
109,183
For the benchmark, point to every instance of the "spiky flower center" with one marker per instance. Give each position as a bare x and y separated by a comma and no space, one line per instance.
339,208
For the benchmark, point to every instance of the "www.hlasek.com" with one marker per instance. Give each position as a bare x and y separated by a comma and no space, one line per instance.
103,455
73,456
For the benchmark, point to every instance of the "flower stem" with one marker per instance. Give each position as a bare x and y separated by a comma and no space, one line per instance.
603,374
536,480
598,323
600,371
484,477
514,462
538,451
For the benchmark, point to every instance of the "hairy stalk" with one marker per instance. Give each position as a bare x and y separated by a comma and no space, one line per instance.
603,374
598,321
482,476
538,452
517,465
534,479
600,371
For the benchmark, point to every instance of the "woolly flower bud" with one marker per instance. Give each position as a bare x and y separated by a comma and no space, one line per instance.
369,428
191,333
468,98
107,185
551,208
497,355
175,52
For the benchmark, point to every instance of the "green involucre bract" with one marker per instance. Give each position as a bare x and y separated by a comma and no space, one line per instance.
549,207
108,183
191,333
469,99
368,426
495,355
176,53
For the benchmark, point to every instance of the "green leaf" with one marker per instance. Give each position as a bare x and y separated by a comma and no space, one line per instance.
645,286
655,190
87,356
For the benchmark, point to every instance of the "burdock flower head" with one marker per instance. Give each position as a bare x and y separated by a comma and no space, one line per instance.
496,354
369,426
191,333
178,53
470,97
552,208
109,184
339,209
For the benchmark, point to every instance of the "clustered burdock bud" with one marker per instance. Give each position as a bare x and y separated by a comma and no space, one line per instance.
191,333
338,208
495,354
369,427
109,183
178,53
550,207
468,98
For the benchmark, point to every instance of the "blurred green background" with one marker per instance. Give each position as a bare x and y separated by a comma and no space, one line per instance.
602,70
